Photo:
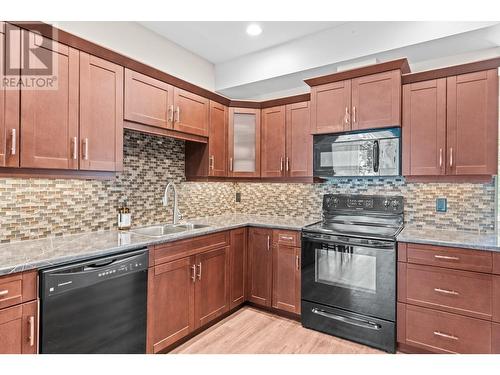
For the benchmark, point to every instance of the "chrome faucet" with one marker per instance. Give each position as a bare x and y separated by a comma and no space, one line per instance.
176,214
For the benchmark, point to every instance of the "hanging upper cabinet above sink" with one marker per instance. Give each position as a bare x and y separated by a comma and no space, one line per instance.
358,99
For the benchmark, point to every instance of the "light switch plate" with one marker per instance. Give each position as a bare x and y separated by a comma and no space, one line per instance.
441,205
238,197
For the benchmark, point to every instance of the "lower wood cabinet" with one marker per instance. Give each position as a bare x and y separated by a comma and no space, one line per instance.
274,269
238,266
260,262
19,329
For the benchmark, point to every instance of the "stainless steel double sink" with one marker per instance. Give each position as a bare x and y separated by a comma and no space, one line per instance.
163,230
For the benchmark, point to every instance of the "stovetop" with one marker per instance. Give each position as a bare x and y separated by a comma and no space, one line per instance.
365,216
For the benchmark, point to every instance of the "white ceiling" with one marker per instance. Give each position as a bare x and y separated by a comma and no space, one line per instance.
218,42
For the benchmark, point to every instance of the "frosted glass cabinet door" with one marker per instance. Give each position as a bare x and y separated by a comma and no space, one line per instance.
244,142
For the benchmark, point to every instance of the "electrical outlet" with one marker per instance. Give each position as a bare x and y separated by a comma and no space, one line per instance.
441,205
238,197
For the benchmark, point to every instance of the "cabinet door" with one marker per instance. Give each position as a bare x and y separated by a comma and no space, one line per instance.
244,142
49,118
260,266
9,98
148,101
238,266
212,285
472,123
191,113
19,329
424,128
286,278
330,107
273,142
217,140
101,114
170,303
299,140
376,100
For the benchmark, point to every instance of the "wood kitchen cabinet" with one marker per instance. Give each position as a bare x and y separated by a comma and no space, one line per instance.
472,123
286,141
451,126
365,102
171,303
19,329
273,141
376,101
9,98
238,266
260,269
101,114
148,101
49,118
286,272
244,142
191,113
217,140
424,128
330,107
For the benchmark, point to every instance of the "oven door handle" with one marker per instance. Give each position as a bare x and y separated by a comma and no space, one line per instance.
352,321
351,242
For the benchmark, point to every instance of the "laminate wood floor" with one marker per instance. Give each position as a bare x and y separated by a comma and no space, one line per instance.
252,331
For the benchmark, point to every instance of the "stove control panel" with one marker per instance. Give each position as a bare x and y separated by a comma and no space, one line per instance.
372,203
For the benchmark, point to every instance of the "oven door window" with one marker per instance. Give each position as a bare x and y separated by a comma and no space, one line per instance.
340,266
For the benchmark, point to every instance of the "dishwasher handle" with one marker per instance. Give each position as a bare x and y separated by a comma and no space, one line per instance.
75,276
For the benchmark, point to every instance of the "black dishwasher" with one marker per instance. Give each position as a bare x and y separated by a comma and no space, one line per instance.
95,306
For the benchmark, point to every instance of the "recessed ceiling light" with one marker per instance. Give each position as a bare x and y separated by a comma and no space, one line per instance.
253,29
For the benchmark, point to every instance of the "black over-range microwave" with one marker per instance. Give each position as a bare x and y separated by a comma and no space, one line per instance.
367,153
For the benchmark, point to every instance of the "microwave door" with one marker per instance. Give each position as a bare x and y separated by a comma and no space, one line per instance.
355,158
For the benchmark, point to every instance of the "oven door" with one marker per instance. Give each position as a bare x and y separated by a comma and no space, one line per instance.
354,274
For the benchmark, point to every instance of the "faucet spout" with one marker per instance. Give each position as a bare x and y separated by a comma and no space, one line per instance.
176,214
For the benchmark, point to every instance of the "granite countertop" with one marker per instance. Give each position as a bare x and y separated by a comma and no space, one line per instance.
456,238
25,255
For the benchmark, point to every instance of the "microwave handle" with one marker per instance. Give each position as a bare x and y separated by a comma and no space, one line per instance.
376,156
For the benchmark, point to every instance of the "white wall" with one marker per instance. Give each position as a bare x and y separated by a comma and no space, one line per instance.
135,41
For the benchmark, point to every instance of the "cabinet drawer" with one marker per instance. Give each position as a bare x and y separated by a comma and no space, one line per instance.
461,292
191,246
286,237
17,288
446,333
450,257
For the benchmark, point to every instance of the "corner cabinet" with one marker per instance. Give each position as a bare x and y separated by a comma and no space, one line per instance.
244,142
217,140
367,102
450,126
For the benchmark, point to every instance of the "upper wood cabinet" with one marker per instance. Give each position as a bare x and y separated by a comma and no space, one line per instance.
367,102
101,114
244,142
49,118
217,140
299,148
148,101
376,101
286,143
424,128
472,123
9,99
260,263
273,141
191,113
450,126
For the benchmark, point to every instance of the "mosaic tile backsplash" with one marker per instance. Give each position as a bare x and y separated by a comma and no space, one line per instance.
35,208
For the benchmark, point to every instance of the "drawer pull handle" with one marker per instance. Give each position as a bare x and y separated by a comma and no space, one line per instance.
31,323
4,292
445,291
287,238
445,257
444,335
